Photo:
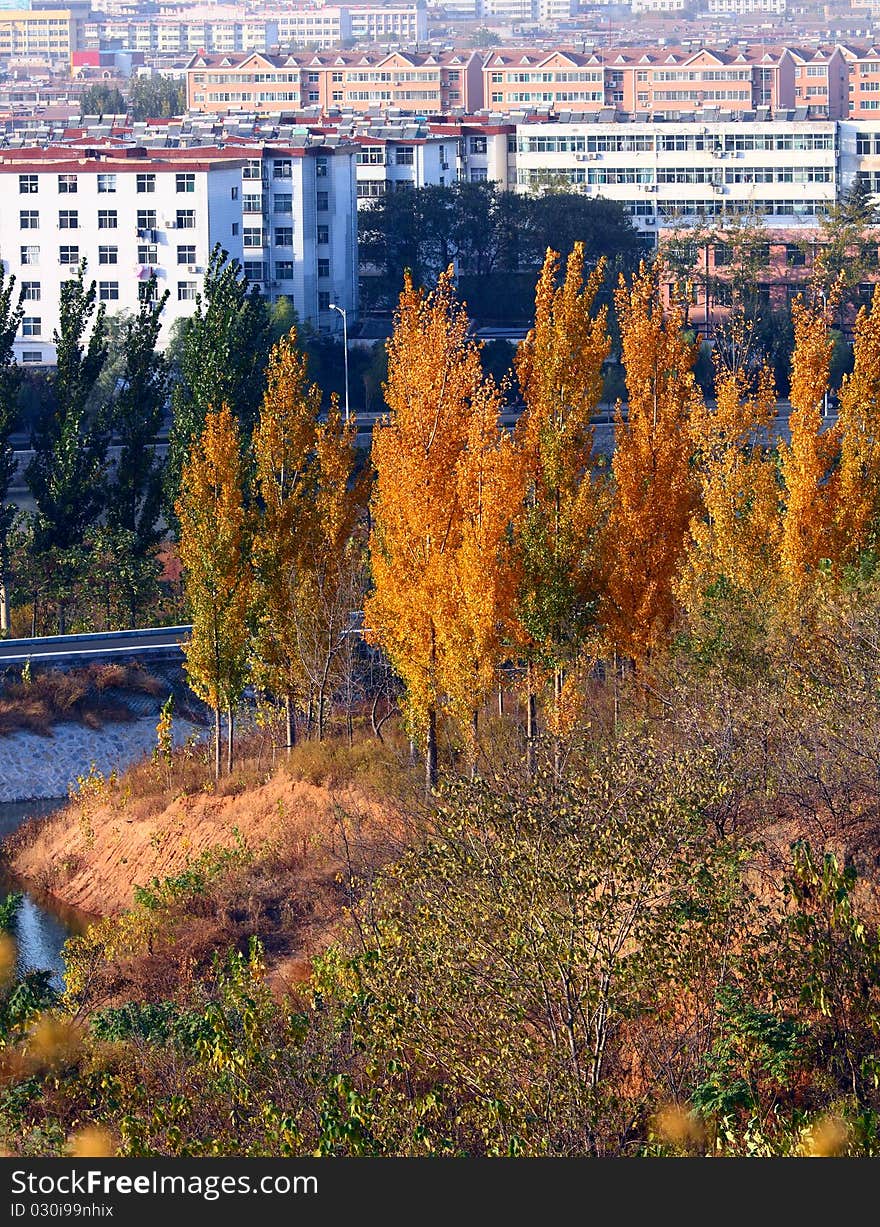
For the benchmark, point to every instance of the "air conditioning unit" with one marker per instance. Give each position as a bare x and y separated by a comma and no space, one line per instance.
193,268
650,221
650,187
170,223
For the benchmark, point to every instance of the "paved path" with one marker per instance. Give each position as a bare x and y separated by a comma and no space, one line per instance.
162,641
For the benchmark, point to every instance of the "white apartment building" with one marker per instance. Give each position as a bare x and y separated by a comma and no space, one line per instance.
395,162
510,11
405,23
318,29
741,8
287,213
666,173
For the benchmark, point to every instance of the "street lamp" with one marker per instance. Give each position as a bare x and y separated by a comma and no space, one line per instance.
341,310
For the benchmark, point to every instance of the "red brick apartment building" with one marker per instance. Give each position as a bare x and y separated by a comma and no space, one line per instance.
336,80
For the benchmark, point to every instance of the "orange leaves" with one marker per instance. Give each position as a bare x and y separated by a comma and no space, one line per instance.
735,533
859,424
807,462
654,489
445,485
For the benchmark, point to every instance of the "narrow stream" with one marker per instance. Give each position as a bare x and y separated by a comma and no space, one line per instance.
42,925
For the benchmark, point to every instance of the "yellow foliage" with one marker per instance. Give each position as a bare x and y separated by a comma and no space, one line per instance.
859,426
654,493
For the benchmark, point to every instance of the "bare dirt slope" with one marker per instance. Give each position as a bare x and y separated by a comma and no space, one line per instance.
92,854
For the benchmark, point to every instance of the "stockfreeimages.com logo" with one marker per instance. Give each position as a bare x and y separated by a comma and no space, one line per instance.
97,1183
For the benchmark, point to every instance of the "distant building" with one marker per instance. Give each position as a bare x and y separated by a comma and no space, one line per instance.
44,35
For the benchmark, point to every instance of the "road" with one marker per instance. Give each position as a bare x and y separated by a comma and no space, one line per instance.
149,642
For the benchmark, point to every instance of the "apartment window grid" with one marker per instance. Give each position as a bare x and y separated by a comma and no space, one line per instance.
28,185
186,219
186,253
145,182
68,255
148,254
108,291
146,219
30,291
282,202
186,291
283,236
185,181
106,184
68,219
323,268
108,254
323,235
67,184
108,219
28,219
31,326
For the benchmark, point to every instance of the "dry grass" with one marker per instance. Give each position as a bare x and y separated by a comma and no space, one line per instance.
80,696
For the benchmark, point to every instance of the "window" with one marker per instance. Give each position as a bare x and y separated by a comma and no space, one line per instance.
252,236
323,234
323,300
147,253
148,291
479,174
32,355
186,181
68,219
108,255
284,236
186,253
282,168
403,155
186,219
29,219
30,291
321,168
30,255
68,255
323,268
146,219
255,270
235,228
478,144
108,291
106,183
31,326
234,193
253,170
146,182
28,185
107,219
323,202
67,183
186,291
283,203
795,256
284,270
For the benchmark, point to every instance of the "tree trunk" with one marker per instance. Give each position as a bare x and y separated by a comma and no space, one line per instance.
310,714
531,721
431,753
349,724
289,724
321,714
4,609
475,732
216,743
616,692
500,699
229,732
557,702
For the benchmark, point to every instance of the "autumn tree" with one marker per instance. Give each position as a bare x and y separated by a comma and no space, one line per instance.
329,587
654,491
858,420
734,533
807,461
559,365
283,446
10,318
434,374
215,552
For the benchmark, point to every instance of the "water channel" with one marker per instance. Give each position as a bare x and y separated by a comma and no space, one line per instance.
42,924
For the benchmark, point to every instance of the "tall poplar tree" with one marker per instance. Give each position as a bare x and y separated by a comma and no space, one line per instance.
218,577
559,365
434,373
858,420
808,460
654,490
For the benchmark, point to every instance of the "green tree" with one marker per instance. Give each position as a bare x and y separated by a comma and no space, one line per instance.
222,359
67,470
102,100
846,247
10,318
156,98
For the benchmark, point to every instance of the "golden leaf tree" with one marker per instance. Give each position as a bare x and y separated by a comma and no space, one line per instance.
808,460
329,590
283,449
858,502
654,490
734,534
489,478
559,366
433,391
215,553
